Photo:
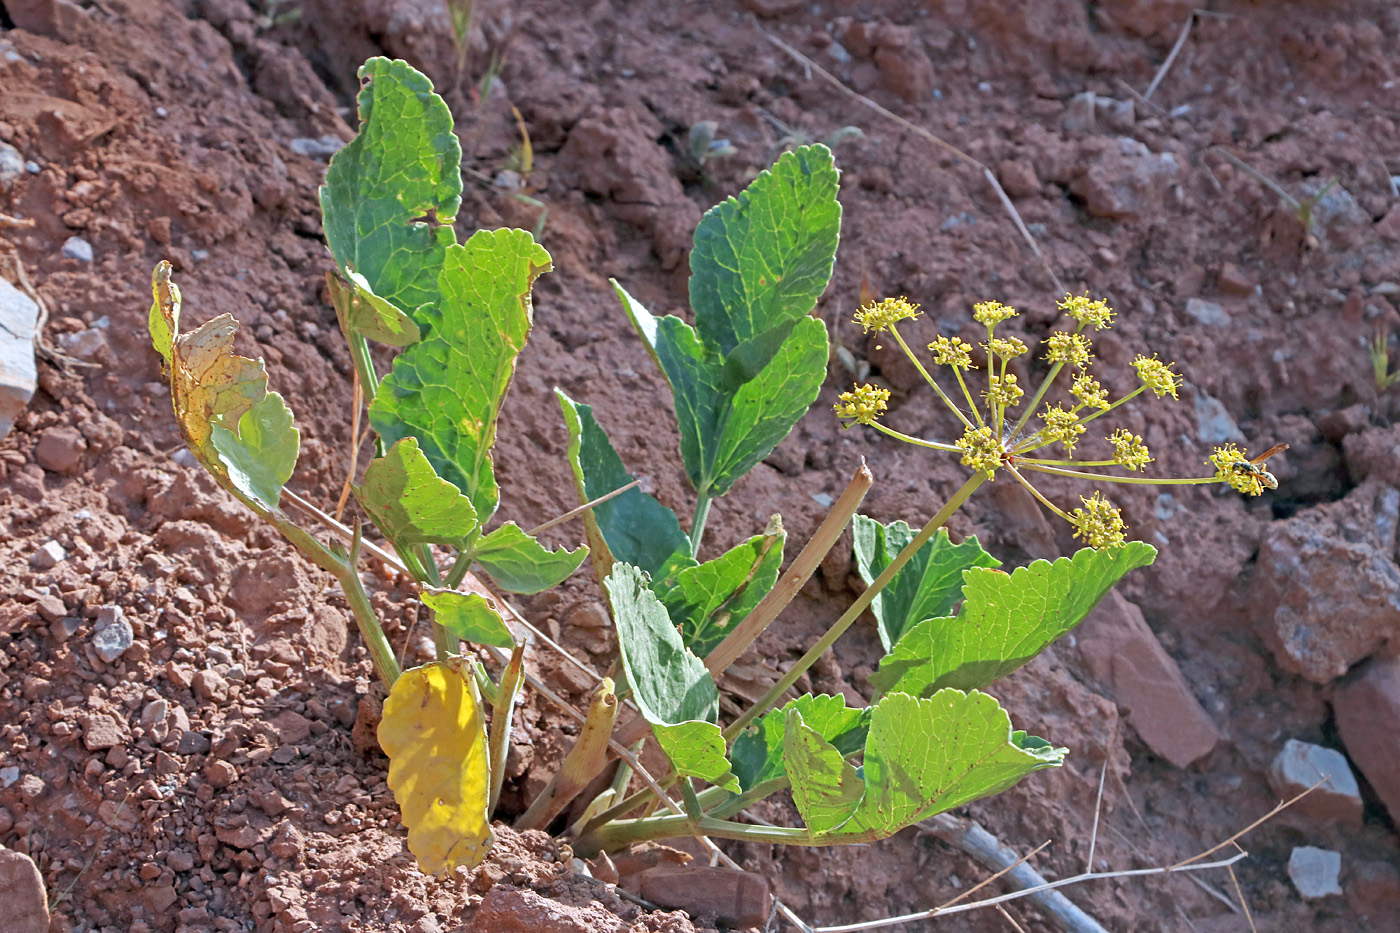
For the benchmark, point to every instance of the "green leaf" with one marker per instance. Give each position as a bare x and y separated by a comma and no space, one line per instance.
261,455
927,587
469,616
411,504
825,786
922,757
758,753
392,194
727,428
707,599
669,683
763,258
360,311
636,528
1005,620
446,389
697,750
520,564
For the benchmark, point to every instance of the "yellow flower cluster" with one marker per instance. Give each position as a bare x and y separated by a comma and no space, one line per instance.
1129,450
1227,461
1087,311
1004,347
1003,392
981,450
992,313
1063,426
1064,347
1098,523
951,351
879,315
864,404
1157,375
1089,392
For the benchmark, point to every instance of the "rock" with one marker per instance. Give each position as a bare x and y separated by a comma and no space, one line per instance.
1018,178
179,860
1235,281
767,9
101,731
11,166
49,556
23,894
1205,312
1080,113
9,776
1126,181
1368,717
505,909
1314,871
1120,652
1300,765
75,247
60,449
113,634
737,899
50,608
321,148
903,64
1373,452
155,712
286,842
210,685
292,727
65,628
18,377
220,774
192,743
241,837
85,344
1343,422
1326,590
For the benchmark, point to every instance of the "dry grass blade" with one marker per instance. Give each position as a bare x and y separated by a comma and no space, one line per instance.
1098,808
355,441
813,68
1010,919
1251,827
1240,894
1171,56
574,513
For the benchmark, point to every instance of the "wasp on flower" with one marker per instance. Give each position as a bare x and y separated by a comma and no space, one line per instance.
998,434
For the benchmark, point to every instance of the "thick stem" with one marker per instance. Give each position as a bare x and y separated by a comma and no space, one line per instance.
917,442
862,602
621,833
384,663
588,756
502,714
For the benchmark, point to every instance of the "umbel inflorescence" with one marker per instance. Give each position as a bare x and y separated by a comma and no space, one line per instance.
1002,433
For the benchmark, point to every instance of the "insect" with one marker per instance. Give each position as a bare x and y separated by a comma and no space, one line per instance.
1253,468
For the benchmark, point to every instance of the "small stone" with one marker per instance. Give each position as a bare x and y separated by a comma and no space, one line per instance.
1314,871
507,909
192,743
292,727
1018,178
64,628
321,148
48,556
9,775
589,615
113,634
285,754
220,774
75,247
210,685
22,890
1205,312
179,860
60,449
18,375
240,837
286,841
1213,422
101,731
1300,765
1235,281
85,344
154,712
11,166
50,607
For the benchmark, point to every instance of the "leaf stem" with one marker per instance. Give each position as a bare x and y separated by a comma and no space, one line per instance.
901,436
697,524
862,602
1111,478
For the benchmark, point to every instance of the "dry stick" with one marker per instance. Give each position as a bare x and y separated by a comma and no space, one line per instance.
574,513
1240,894
1098,808
355,441
836,82
1009,919
1218,895
1259,176
971,838
1267,816
990,878
1171,56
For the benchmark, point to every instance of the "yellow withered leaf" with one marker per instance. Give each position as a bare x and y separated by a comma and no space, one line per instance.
434,734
